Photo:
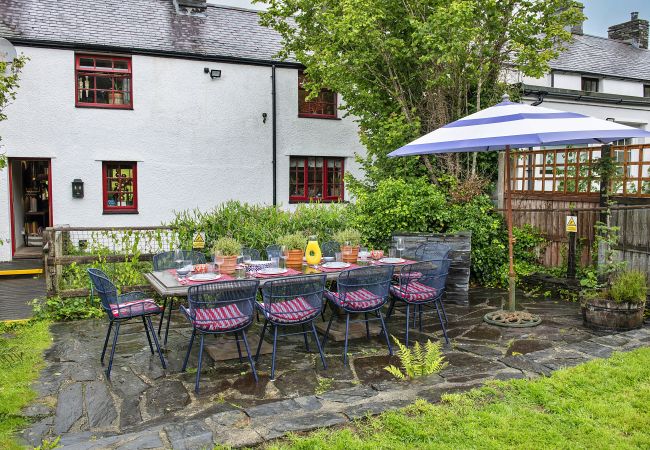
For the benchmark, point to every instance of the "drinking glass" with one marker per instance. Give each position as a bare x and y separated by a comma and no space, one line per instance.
240,272
185,269
338,256
363,253
178,259
282,264
246,259
392,253
218,260
275,262
401,246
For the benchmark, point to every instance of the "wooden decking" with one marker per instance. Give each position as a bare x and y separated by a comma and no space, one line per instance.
16,293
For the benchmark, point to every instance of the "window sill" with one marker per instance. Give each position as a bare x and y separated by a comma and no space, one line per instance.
120,211
130,107
296,202
316,116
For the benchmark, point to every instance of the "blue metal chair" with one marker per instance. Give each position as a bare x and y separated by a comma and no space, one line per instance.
421,284
167,260
252,252
292,301
122,308
330,248
363,290
432,251
273,251
220,308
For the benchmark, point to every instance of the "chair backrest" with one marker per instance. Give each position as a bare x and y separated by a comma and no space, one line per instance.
432,250
431,273
273,251
252,252
166,260
104,288
374,279
330,248
308,287
236,297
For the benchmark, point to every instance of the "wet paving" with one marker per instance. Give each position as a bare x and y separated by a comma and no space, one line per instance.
142,400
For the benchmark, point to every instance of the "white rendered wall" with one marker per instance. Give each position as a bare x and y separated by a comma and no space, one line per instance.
198,142
621,87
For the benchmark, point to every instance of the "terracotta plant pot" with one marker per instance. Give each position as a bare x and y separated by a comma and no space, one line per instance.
605,314
350,253
228,265
294,258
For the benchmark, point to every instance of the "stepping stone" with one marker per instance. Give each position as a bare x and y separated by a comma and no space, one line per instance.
189,435
69,408
226,348
99,405
527,365
165,397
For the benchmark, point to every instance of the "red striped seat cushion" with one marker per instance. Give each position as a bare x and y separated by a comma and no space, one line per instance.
357,300
135,308
293,310
414,292
220,318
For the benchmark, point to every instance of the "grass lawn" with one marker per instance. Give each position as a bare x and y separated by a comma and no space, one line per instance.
600,404
21,358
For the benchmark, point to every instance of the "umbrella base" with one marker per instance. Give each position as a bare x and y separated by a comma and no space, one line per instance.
512,319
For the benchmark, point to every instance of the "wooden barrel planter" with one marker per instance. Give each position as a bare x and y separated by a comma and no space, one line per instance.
607,315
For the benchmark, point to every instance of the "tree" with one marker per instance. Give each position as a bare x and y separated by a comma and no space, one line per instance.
407,67
9,77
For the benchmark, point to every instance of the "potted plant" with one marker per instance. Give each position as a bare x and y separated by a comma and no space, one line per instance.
349,240
229,248
295,248
619,305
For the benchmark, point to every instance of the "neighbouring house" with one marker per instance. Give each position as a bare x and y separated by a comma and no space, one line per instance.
129,110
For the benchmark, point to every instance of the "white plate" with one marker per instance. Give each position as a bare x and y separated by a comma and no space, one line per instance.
328,258
272,271
205,277
392,260
258,263
336,265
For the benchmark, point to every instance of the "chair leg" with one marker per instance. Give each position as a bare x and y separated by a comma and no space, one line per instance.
322,312
408,309
110,360
420,318
327,332
108,333
415,316
146,330
365,315
169,318
198,368
248,352
304,335
320,350
275,346
444,313
155,340
385,329
162,316
390,308
345,346
259,345
189,349
442,324
238,347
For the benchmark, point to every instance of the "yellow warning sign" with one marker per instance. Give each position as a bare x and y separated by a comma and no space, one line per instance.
199,240
571,224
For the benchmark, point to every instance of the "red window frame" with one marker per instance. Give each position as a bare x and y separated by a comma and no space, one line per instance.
119,209
305,171
316,107
125,97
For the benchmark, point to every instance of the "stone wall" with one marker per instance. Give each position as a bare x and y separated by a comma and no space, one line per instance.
457,288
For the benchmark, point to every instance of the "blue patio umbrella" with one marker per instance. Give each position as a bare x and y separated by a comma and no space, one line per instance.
515,125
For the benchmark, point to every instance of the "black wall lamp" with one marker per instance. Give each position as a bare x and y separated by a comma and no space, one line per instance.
214,73
77,188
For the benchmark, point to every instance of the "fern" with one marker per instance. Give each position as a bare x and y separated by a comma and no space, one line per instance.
418,361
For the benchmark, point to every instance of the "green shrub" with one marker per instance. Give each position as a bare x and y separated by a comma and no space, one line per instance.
629,286
227,246
293,241
349,236
75,308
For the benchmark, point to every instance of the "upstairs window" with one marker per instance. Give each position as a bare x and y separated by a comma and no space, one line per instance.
315,179
646,90
322,106
120,187
590,84
103,82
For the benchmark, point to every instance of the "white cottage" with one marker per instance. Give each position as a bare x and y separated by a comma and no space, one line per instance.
130,110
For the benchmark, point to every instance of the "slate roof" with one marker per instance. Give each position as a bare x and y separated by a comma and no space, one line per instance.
139,26
601,56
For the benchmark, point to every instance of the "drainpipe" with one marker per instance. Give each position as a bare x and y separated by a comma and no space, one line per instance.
274,138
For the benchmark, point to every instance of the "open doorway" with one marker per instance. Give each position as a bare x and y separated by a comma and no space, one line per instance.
30,194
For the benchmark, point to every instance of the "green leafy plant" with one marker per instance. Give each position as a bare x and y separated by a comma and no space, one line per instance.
417,361
630,286
227,246
57,308
349,236
293,241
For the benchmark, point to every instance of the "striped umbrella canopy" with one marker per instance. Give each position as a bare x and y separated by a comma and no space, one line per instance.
516,125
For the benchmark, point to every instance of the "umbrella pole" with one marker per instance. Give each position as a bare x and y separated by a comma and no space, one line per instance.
511,265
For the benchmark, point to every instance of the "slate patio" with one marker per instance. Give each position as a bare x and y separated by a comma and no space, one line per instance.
145,406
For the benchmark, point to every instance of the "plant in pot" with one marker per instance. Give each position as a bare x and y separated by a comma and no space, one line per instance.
294,244
229,249
618,305
349,240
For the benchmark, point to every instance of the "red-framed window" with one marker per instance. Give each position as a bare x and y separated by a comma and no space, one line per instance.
322,106
103,82
315,178
120,187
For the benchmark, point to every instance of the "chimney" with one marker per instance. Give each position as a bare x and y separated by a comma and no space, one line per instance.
577,29
191,7
634,32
